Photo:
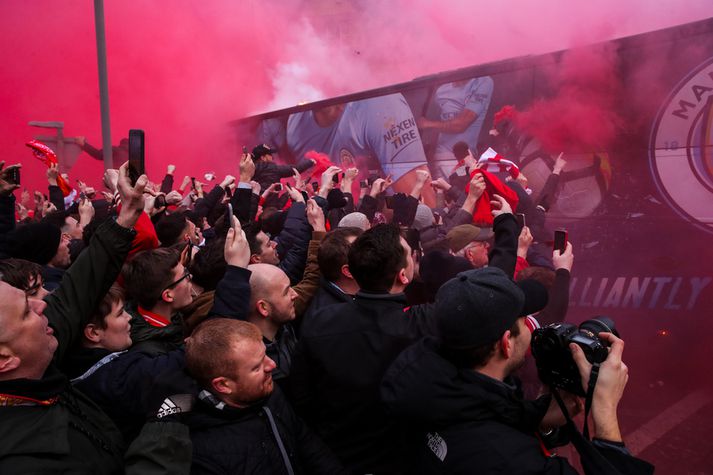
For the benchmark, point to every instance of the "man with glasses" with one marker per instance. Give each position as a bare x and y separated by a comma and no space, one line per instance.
159,286
471,242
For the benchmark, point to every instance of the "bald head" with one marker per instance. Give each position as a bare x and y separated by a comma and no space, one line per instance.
271,296
263,279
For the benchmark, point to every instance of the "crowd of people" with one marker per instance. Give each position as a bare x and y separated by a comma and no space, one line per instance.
278,325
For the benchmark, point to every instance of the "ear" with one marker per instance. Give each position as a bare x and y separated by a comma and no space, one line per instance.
167,295
506,344
255,259
402,278
346,272
8,361
93,333
221,385
263,308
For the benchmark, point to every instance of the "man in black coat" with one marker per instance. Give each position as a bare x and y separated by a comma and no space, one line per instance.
337,284
458,390
344,350
268,172
241,424
47,425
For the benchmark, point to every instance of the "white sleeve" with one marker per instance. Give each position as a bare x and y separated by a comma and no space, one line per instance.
478,96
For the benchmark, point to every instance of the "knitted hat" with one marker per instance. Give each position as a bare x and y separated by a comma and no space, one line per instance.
424,217
462,235
477,307
35,242
356,220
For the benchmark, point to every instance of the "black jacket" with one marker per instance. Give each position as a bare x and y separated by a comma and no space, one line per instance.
69,434
293,243
328,294
471,423
267,173
247,441
341,358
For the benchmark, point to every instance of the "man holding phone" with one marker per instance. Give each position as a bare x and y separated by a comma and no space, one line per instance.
268,172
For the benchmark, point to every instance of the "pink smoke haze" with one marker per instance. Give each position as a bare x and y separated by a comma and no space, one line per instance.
582,115
181,70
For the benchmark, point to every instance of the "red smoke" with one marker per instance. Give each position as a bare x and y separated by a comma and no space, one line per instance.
582,114
181,69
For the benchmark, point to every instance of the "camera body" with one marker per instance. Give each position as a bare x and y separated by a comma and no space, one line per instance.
550,347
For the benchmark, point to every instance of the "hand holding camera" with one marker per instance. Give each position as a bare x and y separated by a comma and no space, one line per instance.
613,376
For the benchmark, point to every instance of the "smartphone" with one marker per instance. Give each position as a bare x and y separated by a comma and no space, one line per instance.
278,187
136,155
193,183
364,184
521,221
560,240
229,216
389,202
315,186
14,176
159,202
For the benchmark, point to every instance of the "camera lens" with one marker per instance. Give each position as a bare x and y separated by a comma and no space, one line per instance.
597,325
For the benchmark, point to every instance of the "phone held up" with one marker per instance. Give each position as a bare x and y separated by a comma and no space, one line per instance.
560,243
136,155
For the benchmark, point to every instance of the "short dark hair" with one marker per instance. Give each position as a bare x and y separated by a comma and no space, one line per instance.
376,257
18,272
208,347
148,274
251,233
334,250
114,294
477,357
170,227
209,265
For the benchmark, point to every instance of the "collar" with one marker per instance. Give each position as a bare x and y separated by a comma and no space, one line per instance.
366,296
153,319
34,392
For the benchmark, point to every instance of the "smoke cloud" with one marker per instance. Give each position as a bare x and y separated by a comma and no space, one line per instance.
181,70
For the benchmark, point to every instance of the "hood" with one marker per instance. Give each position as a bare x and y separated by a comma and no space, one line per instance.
424,388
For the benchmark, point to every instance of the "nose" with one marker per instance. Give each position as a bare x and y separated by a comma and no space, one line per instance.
270,365
38,306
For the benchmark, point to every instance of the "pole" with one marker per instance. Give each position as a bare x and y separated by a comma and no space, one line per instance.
103,82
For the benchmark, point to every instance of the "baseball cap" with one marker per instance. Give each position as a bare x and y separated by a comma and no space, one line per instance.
261,150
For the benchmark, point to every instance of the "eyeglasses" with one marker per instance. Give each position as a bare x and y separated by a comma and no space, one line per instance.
187,275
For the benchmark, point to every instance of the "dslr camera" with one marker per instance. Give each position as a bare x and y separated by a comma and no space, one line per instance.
550,347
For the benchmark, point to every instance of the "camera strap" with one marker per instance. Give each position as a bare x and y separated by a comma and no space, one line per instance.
587,401
593,375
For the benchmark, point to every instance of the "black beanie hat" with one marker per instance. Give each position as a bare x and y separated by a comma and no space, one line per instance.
35,242
477,307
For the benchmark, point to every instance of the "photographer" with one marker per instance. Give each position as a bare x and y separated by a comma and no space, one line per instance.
458,393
